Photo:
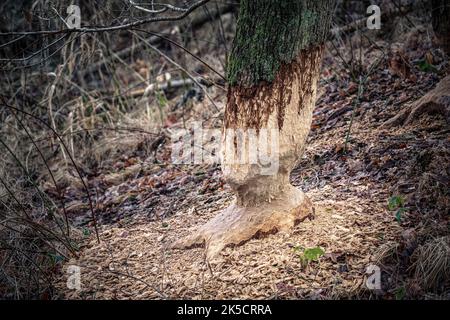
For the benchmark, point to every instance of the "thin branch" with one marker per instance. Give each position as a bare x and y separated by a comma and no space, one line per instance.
94,219
176,64
164,8
185,50
110,28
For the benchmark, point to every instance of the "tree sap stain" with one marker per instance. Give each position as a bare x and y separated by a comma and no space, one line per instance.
250,107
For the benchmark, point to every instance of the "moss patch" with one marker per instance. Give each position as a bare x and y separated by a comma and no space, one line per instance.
271,33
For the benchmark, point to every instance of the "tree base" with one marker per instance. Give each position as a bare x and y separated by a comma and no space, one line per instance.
236,225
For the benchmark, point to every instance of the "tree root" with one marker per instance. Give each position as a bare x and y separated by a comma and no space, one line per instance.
437,101
236,225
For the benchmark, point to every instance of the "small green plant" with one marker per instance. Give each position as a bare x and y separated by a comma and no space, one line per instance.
308,255
162,100
397,203
400,293
86,232
56,258
162,103
132,198
425,66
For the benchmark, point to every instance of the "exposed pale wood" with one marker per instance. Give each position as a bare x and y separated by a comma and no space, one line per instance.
265,203
237,224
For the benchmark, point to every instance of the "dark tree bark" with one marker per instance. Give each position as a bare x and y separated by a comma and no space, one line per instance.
271,33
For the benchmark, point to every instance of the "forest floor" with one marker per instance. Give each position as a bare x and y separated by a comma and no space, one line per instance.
143,204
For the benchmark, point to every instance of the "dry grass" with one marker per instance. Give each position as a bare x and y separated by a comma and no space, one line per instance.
432,263
90,96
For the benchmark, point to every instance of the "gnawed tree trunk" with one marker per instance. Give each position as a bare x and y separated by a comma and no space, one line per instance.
272,73
440,14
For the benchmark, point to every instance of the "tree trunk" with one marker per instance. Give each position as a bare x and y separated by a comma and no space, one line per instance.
441,23
272,73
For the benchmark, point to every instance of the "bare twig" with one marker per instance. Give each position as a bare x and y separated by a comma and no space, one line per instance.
109,28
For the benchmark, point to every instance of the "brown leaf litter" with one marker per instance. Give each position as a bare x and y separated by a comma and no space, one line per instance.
349,189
